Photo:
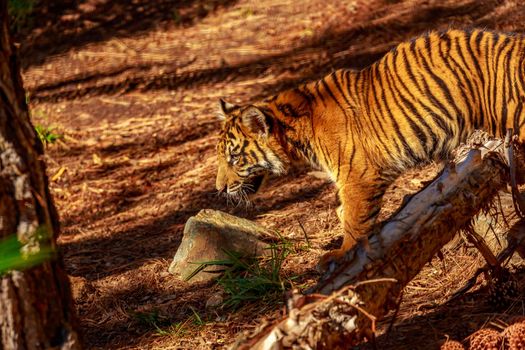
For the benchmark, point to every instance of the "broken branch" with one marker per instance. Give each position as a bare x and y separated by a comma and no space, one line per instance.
403,245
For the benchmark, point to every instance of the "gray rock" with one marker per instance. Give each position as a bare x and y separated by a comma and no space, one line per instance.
208,235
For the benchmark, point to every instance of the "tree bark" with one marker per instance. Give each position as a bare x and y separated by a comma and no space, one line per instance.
393,257
36,309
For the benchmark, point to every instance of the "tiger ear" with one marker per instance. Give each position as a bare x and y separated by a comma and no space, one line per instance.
255,120
225,108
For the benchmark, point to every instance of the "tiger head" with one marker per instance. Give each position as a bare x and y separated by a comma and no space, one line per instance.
247,151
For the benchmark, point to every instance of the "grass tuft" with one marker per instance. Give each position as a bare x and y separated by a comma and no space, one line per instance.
46,134
254,278
162,325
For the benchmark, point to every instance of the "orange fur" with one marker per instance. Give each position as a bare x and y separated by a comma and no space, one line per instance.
365,127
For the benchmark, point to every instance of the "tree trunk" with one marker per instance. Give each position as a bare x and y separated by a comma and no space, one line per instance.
36,309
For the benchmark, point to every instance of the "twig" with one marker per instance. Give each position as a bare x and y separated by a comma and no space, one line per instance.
305,235
518,201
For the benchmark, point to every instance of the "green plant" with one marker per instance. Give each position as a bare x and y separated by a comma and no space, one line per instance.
252,279
175,330
161,323
46,134
13,258
150,319
197,320
20,11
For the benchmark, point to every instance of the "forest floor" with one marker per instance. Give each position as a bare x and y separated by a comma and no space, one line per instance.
133,87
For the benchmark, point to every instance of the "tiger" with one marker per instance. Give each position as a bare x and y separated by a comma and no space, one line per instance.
366,127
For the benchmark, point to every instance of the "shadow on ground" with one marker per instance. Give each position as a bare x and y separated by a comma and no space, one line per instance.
128,249
354,47
57,26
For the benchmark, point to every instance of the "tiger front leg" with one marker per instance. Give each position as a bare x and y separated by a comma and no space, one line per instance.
360,206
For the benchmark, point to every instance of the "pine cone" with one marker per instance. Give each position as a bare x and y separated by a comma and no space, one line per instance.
452,345
514,336
503,290
485,339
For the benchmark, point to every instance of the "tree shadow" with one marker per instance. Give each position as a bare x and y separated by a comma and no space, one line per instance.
147,144
57,26
354,47
455,320
149,307
159,237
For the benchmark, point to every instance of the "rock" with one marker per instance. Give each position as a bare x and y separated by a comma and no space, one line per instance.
208,235
215,300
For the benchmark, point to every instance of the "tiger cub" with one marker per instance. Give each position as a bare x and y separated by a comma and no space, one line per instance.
366,127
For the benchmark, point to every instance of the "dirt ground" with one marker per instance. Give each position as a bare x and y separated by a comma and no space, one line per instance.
133,87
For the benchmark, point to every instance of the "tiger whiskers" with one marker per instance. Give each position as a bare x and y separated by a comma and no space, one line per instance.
239,197
229,199
248,187
245,199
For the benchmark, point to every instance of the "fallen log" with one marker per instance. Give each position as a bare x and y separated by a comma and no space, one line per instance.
341,310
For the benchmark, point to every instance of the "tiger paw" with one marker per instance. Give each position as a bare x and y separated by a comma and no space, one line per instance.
329,260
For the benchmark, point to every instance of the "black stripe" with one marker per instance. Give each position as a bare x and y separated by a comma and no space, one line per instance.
479,72
368,113
517,114
363,173
327,88
338,86
520,60
339,158
416,130
504,112
477,40
288,110
372,215
351,160
325,153
283,126
377,196
492,73
319,93
372,81
468,79
429,50
307,95
358,92
426,88
263,154
245,144
490,70
466,100
406,148
440,83
407,103
510,81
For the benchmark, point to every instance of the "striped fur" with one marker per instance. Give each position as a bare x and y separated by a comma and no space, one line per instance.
365,127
